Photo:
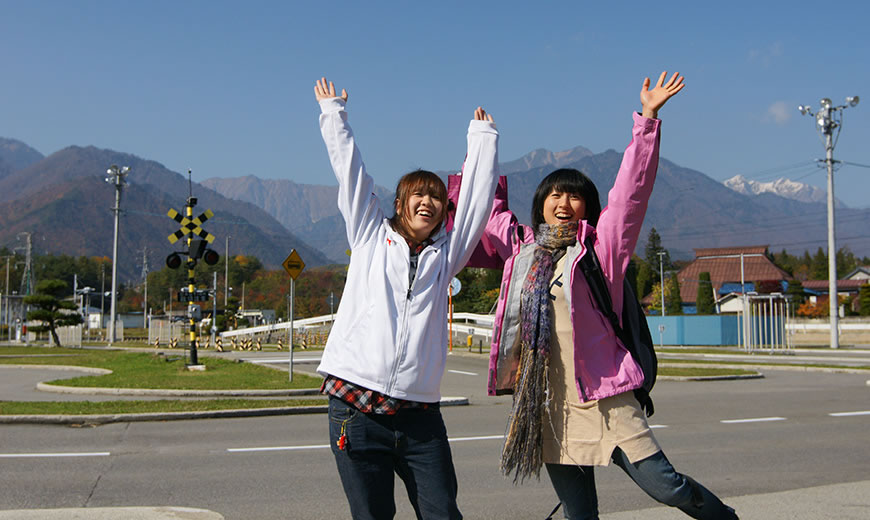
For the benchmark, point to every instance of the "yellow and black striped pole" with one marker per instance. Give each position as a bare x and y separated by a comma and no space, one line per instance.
191,283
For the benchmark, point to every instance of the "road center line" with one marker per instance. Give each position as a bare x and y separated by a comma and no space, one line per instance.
280,448
758,419
48,455
463,373
849,414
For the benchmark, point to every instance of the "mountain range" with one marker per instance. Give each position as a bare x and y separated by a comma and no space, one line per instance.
688,209
783,187
65,203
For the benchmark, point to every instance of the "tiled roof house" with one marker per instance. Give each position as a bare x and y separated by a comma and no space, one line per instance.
724,266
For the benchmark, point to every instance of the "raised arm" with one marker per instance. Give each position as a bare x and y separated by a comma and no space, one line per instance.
356,200
473,203
620,223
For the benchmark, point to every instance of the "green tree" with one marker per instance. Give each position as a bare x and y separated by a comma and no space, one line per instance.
51,309
646,277
704,301
673,300
864,300
819,266
651,254
796,291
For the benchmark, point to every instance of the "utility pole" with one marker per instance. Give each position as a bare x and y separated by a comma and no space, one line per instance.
117,178
828,119
145,277
662,275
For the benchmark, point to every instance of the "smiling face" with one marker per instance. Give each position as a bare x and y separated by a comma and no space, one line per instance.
421,214
563,207
565,195
421,199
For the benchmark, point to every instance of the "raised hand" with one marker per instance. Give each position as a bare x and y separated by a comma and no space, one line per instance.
481,115
653,100
324,90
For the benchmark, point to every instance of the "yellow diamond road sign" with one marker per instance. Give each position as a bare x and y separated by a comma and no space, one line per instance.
293,264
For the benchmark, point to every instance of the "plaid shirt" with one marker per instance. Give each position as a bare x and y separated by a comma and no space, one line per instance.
365,400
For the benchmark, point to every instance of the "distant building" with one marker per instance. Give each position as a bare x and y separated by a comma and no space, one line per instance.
727,267
860,273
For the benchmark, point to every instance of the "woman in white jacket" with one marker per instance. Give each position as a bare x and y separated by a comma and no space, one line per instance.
386,353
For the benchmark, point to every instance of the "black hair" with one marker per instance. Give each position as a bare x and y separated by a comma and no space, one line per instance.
571,181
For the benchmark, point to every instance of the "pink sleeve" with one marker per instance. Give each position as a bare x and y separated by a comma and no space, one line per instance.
496,244
620,223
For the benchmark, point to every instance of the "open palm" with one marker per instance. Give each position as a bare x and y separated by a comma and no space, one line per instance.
653,100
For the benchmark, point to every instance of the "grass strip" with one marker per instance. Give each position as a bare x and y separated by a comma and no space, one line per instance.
703,372
147,370
157,406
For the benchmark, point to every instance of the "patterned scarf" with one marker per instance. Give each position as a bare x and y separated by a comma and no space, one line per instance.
523,446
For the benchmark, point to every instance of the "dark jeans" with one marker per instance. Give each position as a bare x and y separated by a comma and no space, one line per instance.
575,487
412,444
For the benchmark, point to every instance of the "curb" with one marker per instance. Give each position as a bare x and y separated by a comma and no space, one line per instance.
58,389
177,416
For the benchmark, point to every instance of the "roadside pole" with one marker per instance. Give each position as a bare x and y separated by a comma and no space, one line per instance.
294,265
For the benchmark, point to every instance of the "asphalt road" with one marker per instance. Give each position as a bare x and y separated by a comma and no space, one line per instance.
778,435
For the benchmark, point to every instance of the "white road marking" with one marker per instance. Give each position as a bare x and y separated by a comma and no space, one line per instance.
47,455
463,373
654,426
280,448
758,419
478,438
849,414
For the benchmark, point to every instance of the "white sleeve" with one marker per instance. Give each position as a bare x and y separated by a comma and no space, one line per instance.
356,200
473,206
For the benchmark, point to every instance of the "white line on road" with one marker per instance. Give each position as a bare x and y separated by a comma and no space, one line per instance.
653,426
43,455
296,359
478,438
758,419
849,414
280,448
463,373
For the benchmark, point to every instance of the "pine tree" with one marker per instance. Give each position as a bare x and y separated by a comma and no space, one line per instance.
704,301
51,310
645,279
673,300
651,253
819,266
796,291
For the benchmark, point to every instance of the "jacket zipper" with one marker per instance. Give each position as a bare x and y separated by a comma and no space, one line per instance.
403,332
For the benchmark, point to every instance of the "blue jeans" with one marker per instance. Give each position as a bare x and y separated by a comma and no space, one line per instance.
575,487
412,444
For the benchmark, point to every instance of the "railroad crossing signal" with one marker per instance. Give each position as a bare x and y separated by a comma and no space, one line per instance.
293,264
190,226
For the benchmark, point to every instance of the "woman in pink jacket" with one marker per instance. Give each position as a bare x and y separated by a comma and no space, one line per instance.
572,379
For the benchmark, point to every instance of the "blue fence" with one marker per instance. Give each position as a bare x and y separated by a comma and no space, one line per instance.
694,330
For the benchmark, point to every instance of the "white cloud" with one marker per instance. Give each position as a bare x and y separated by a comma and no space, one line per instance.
779,112
766,55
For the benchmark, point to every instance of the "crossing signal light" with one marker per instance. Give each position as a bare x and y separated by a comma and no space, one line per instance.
173,261
210,256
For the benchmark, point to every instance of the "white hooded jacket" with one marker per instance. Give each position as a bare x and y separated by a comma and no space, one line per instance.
388,336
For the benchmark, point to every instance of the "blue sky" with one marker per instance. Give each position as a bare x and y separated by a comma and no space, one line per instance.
225,88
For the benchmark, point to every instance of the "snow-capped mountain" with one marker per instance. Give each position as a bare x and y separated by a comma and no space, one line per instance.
784,188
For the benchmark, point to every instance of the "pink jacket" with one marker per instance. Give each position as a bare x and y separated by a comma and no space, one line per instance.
603,366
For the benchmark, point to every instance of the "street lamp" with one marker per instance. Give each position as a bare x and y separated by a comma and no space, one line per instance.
117,178
828,119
